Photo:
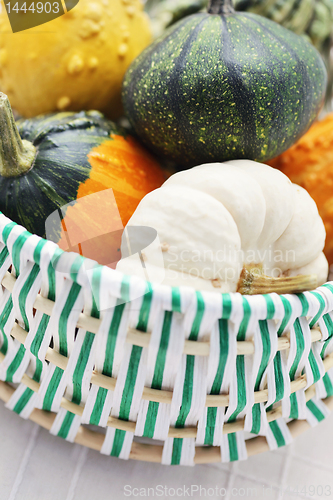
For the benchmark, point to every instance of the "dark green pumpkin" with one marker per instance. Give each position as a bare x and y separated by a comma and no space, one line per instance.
223,85
63,142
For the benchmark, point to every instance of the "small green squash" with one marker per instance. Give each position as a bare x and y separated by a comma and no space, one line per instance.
222,85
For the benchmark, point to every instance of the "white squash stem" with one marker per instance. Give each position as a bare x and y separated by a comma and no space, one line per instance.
253,282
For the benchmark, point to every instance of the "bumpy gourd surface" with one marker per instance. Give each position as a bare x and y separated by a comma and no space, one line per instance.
215,88
309,164
74,62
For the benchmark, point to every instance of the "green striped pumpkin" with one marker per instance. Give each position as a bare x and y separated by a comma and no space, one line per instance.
223,85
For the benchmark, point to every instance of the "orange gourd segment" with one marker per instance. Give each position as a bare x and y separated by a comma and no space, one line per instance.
93,225
124,166
309,163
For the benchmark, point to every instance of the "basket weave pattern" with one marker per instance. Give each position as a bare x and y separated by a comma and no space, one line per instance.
82,344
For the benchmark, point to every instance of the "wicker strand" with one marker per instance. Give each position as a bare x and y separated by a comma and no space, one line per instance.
189,432
153,453
158,396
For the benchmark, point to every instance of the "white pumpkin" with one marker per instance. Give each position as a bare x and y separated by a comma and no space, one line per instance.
216,220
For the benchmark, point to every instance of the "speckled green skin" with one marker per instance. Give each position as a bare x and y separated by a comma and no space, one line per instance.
216,88
63,141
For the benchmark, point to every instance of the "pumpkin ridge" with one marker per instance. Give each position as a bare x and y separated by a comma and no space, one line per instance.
248,27
267,27
291,51
135,70
273,56
174,30
176,103
243,99
268,113
307,84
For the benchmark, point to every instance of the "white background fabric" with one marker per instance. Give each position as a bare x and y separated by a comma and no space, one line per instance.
37,466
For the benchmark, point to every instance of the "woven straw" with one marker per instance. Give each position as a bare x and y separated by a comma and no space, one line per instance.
83,344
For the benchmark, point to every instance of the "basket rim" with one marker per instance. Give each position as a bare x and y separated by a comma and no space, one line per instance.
160,289
142,339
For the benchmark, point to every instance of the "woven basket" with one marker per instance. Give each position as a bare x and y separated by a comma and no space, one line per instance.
82,344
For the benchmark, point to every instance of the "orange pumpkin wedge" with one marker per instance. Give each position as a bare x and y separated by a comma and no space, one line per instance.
309,163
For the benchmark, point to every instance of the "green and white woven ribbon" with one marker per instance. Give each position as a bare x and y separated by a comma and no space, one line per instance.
16,361
324,386
317,411
130,374
68,306
6,311
24,400
190,385
221,365
265,349
108,349
163,362
278,434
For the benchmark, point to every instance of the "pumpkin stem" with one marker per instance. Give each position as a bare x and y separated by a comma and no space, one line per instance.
253,282
16,155
224,7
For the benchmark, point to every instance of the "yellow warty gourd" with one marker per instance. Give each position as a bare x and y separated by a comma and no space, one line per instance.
77,61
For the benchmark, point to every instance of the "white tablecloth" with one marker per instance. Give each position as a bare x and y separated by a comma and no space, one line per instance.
37,466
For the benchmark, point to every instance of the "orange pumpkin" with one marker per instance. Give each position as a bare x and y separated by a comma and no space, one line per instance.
309,163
